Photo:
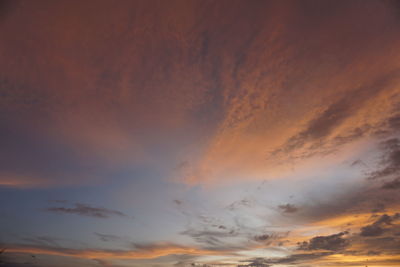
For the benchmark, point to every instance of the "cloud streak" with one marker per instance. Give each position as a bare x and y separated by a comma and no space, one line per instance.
89,211
149,251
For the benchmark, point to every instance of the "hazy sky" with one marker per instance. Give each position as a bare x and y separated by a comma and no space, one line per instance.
200,133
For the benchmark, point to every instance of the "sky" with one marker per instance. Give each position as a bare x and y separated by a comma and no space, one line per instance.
208,133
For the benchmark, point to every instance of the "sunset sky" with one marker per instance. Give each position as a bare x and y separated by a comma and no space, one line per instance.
208,133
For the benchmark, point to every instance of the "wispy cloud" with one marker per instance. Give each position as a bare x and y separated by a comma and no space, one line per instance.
141,251
86,210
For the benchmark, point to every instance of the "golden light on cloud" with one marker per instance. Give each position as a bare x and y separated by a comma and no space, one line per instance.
156,252
251,133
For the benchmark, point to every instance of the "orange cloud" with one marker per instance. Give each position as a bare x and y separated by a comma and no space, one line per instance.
158,250
304,105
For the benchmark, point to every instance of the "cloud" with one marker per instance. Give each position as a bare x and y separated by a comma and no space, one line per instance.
334,242
249,142
288,208
211,239
243,203
262,238
376,228
394,184
291,259
323,125
85,210
349,204
138,87
178,202
140,251
42,240
390,164
107,237
256,262
371,230
200,89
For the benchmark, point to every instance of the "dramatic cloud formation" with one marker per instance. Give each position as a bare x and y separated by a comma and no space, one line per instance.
238,133
376,228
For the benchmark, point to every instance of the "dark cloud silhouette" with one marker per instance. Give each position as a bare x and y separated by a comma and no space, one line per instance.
371,230
376,229
262,238
386,219
334,242
288,208
86,210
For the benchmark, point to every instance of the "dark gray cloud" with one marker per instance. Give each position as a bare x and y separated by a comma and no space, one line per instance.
371,230
390,162
388,220
351,136
107,237
210,238
393,184
389,245
288,208
334,242
377,229
86,210
262,238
